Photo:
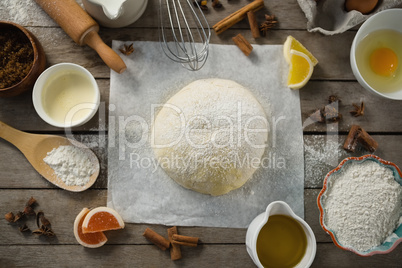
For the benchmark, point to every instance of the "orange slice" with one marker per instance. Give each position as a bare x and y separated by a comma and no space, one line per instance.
91,240
301,69
102,219
292,43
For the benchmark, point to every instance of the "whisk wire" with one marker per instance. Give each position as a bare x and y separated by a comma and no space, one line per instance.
179,41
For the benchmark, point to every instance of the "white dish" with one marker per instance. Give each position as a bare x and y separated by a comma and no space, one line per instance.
66,95
129,12
387,19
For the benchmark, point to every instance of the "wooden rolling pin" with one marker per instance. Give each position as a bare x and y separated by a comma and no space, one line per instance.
82,29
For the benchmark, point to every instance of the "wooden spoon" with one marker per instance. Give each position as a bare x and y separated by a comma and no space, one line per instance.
36,146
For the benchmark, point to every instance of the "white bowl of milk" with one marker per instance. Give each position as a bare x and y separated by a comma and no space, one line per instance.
66,95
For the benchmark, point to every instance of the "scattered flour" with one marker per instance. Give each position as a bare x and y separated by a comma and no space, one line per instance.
71,164
321,154
363,205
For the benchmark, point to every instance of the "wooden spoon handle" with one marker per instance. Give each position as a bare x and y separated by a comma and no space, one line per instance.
108,55
16,137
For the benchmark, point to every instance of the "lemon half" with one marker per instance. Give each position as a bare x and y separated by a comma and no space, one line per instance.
292,43
301,69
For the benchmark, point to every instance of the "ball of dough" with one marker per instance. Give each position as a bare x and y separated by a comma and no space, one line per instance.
210,136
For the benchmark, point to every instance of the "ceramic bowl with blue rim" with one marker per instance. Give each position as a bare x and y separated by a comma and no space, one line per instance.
394,239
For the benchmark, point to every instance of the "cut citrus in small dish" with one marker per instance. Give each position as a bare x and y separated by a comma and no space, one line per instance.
300,71
90,240
292,43
102,219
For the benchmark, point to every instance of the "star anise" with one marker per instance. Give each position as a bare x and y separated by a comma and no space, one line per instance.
43,230
269,23
359,109
127,50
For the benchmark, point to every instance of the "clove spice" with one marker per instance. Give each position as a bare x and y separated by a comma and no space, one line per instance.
44,226
269,23
216,4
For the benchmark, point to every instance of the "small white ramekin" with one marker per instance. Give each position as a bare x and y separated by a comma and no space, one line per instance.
39,88
388,19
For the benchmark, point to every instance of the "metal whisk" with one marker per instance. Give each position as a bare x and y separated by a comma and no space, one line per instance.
184,32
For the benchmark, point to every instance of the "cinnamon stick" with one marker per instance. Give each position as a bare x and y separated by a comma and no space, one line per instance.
351,140
359,135
175,251
157,239
252,21
367,141
184,238
237,16
187,244
243,44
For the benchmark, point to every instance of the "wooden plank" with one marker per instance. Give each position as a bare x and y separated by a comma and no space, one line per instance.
19,113
147,256
322,154
17,172
333,60
124,256
61,207
380,115
288,12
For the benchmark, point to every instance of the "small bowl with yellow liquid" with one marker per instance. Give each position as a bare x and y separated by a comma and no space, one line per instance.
66,95
376,54
279,238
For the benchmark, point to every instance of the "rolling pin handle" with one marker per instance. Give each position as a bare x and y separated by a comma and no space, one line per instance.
108,55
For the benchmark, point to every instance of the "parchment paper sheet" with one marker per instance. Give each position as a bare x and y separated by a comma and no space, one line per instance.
330,17
141,191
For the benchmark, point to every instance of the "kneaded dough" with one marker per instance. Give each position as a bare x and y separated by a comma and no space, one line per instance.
210,136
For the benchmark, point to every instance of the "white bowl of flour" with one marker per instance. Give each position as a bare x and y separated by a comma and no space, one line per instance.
361,205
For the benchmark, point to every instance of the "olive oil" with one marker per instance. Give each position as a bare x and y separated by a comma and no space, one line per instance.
281,242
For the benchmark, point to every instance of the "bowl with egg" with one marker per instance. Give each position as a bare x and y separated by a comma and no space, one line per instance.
66,95
360,205
376,54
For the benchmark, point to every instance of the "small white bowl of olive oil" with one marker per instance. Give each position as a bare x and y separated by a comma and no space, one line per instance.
280,238
66,95
376,54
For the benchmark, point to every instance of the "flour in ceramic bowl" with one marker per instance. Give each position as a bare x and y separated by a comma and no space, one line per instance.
362,205
71,164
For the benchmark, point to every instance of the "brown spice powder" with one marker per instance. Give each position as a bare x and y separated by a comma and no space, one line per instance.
16,57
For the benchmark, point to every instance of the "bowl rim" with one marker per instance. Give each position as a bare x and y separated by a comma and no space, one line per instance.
324,189
37,101
352,54
33,43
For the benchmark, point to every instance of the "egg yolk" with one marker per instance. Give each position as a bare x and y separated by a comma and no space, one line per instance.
383,61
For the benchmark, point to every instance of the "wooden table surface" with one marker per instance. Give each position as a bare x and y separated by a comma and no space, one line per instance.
220,247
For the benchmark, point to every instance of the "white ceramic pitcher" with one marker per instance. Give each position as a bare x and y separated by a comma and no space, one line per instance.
279,208
115,13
